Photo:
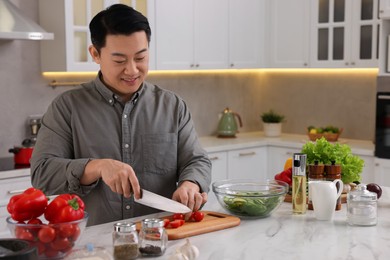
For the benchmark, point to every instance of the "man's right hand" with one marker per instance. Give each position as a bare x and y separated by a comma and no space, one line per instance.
119,176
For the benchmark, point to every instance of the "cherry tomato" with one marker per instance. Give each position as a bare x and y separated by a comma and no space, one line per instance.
46,234
25,235
35,221
60,243
51,252
166,222
175,223
76,232
66,230
178,216
41,247
197,216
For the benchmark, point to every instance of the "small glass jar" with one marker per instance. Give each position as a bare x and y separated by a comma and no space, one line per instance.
152,237
125,241
362,207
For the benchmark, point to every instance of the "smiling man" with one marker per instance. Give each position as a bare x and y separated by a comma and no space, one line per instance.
118,133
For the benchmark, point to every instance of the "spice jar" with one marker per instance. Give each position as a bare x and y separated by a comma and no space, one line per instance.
125,240
153,237
316,173
332,172
362,207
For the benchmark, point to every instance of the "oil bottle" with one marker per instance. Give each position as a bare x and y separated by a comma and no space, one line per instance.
299,183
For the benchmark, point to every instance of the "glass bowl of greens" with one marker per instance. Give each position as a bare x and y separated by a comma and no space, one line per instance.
250,198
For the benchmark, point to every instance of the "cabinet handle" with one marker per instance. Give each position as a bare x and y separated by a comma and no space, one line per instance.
214,158
12,192
383,96
197,65
247,154
192,65
352,63
231,65
347,63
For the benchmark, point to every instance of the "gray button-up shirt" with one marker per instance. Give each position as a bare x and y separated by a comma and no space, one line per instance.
153,132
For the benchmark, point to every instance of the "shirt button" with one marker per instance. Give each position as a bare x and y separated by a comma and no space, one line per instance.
127,207
110,101
125,116
126,146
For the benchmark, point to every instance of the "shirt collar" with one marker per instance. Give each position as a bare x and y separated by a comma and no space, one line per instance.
110,96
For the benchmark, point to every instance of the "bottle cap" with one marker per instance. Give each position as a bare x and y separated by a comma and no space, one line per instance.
124,227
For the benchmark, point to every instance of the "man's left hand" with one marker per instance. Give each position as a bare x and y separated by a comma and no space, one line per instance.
188,194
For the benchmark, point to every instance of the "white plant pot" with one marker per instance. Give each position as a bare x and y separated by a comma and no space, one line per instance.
272,129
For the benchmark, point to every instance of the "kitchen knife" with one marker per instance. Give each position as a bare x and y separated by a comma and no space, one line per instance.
156,201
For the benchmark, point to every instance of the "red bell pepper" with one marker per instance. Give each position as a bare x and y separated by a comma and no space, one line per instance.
285,176
65,208
28,205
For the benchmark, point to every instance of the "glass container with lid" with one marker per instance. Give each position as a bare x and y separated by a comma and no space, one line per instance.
125,241
153,237
362,207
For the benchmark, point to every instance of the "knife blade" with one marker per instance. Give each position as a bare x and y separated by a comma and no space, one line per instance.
156,201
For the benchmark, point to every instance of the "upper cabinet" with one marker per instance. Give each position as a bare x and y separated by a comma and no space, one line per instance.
344,33
69,21
384,8
288,33
203,34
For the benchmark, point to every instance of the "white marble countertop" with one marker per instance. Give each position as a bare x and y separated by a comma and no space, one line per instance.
281,236
253,139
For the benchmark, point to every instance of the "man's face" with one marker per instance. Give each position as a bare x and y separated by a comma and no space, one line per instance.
124,62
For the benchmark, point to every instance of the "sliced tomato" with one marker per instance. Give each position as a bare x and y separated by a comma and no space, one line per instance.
166,222
176,223
178,216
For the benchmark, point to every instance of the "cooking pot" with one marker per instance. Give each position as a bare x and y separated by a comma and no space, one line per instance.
22,154
227,126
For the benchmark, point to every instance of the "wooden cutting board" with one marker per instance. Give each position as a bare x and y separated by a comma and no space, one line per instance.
212,221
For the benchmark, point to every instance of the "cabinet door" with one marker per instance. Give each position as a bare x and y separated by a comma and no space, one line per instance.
219,166
331,33
277,157
289,27
384,8
365,34
250,163
174,23
382,172
211,34
246,33
344,33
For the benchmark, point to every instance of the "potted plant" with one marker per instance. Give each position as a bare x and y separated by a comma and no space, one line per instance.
272,123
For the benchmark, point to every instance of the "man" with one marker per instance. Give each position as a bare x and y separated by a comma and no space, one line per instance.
118,133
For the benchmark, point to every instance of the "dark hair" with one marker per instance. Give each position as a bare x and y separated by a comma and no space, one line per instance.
117,19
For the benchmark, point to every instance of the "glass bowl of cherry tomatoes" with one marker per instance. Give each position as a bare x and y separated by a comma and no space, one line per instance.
53,241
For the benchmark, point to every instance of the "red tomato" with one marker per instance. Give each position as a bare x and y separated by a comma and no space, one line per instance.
175,223
25,235
46,234
41,247
60,243
51,252
76,232
197,216
35,221
178,216
166,222
66,230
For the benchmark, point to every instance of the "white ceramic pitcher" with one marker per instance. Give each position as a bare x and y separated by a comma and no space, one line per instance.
324,196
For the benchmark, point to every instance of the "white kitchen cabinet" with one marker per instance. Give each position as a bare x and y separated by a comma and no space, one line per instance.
203,34
219,166
277,157
344,33
384,8
382,172
288,33
249,163
8,188
69,21
246,34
